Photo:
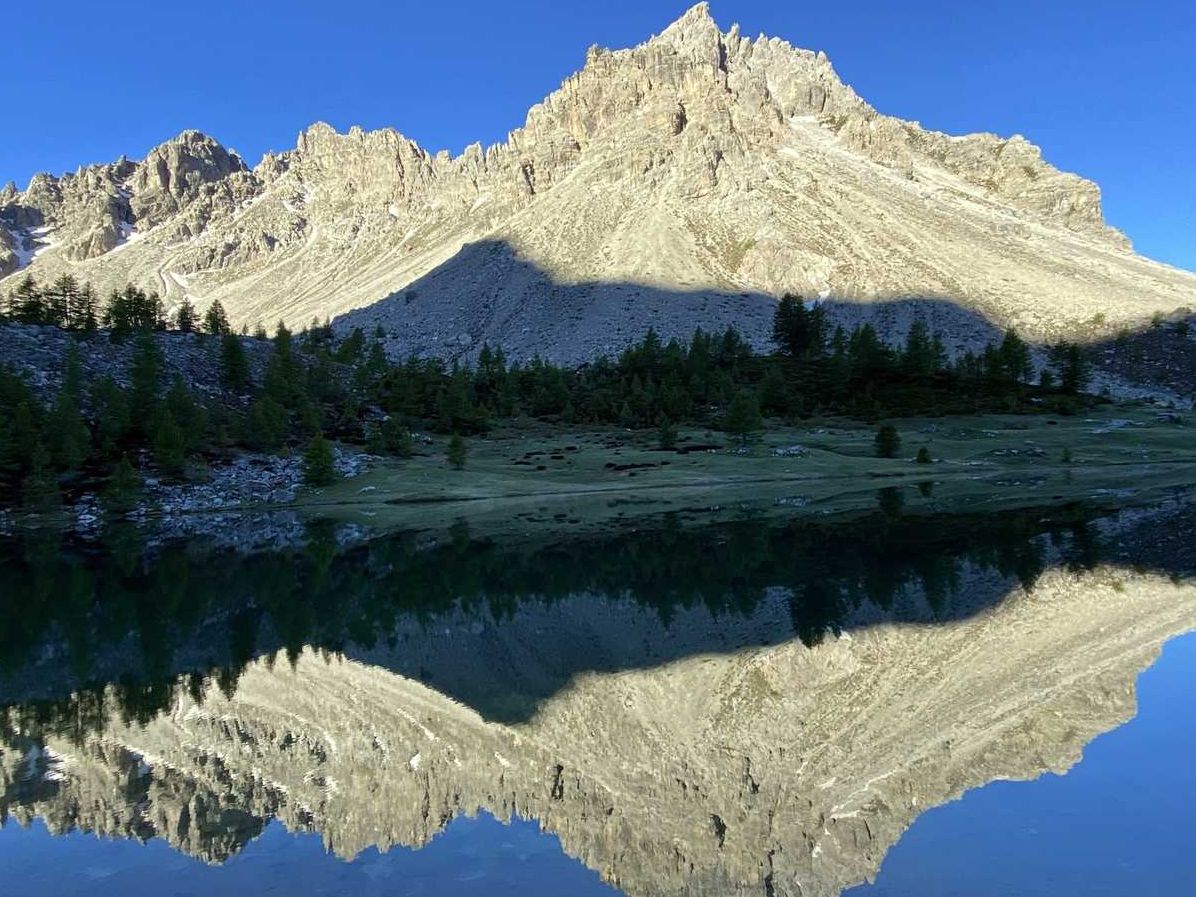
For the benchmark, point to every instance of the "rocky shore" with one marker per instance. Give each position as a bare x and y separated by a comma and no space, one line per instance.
246,504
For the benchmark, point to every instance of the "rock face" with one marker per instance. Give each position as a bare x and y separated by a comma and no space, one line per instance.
700,166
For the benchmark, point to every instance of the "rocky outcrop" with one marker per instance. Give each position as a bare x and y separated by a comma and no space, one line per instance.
701,162
39,355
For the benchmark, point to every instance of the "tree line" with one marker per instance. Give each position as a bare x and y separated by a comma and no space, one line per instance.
322,595
314,387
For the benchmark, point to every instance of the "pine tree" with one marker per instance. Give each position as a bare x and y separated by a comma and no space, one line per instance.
456,452
742,417
923,456
319,464
799,332
215,321
185,317
19,430
40,488
67,433
920,355
84,317
26,304
351,347
266,424
774,392
234,368
145,374
124,486
391,437
1013,358
169,444
190,415
887,441
666,435
1074,371
61,300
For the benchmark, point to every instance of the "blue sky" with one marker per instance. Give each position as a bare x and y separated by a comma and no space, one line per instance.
1106,88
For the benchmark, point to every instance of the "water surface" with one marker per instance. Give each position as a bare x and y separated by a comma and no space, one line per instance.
754,707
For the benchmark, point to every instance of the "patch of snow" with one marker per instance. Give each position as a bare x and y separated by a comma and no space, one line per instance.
393,211
415,761
128,234
24,255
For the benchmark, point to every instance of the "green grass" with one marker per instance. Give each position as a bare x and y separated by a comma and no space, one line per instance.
530,476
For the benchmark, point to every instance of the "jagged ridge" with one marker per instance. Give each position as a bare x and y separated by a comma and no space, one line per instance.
698,161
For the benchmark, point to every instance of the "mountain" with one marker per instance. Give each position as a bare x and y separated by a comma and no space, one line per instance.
686,181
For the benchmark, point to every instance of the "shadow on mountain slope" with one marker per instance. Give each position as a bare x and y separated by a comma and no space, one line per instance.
502,627
487,293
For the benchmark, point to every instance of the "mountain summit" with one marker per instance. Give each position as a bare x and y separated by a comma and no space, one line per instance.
682,182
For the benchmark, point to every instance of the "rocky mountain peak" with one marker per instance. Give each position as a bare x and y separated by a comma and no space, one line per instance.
178,172
695,24
700,163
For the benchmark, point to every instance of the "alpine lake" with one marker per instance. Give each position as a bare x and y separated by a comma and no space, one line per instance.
978,681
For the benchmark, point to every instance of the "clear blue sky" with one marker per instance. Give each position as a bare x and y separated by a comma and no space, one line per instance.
1108,89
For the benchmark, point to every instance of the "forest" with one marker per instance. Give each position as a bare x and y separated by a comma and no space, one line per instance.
316,388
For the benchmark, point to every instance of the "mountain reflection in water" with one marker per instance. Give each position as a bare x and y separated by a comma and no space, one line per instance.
754,707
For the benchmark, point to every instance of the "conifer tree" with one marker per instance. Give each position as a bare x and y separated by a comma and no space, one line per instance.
391,437
1074,372
1013,358
19,430
743,417
215,321
190,416
61,300
920,356
185,317
234,368
169,444
774,392
319,464
266,424
145,374
666,435
40,489
132,310
110,406
887,441
68,436
84,316
456,452
26,304
124,486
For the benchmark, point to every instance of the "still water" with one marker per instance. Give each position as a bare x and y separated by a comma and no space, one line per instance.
966,705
